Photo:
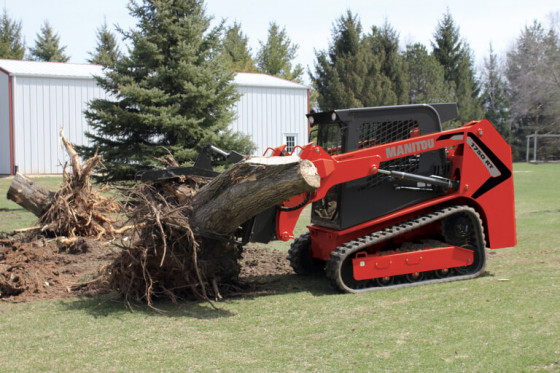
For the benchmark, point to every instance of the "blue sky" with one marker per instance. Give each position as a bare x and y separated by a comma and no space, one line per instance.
308,23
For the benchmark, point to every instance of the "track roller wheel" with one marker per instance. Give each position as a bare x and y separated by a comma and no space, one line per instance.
300,258
384,281
442,273
414,277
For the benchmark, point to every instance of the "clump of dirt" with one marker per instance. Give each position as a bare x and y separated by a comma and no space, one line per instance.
257,262
40,269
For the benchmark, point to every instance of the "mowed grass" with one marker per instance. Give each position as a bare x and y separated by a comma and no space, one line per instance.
505,321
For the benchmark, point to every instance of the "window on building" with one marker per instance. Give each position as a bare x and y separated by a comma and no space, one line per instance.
291,141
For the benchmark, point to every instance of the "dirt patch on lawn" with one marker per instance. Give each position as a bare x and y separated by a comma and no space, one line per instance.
41,269
258,262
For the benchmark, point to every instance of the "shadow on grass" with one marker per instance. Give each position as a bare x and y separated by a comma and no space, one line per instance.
317,285
251,288
112,305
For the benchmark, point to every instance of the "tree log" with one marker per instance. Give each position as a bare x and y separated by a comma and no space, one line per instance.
221,206
247,189
29,195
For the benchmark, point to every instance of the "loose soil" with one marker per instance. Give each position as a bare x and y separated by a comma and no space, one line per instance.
258,262
39,269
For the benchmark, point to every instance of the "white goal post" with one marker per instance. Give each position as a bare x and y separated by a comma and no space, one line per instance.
543,148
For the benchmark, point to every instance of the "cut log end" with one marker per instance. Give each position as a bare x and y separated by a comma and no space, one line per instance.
309,174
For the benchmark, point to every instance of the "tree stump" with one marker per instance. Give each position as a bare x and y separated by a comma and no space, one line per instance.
29,195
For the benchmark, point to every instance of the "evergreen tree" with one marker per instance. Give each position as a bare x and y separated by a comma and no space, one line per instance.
12,46
276,55
385,44
107,51
495,99
171,93
349,74
448,48
237,51
456,58
47,46
426,77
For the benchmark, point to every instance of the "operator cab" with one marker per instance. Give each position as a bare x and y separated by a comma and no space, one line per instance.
362,200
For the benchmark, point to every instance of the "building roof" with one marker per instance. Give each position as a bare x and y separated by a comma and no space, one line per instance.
264,80
50,69
87,71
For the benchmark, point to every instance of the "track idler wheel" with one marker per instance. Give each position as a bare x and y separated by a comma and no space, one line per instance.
470,268
460,230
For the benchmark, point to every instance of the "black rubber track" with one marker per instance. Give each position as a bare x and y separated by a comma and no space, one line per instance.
339,265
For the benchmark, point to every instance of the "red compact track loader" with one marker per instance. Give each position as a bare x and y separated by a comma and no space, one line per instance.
401,202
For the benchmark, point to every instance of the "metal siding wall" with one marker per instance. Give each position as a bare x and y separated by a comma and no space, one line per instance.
266,114
4,124
41,107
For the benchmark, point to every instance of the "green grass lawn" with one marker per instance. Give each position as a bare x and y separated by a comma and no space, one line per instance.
506,321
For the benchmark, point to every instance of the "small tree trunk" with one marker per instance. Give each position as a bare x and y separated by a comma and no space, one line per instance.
29,195
247,189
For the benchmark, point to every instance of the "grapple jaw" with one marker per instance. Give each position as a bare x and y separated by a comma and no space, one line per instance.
202,166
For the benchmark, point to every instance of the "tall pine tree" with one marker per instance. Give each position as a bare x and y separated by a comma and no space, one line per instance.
426,77
349,74
107,50
456,58
47,46
495,98
171,93
12,46
237,51
385,44
275,56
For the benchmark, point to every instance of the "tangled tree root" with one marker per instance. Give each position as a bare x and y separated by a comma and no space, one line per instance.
164,258
78,210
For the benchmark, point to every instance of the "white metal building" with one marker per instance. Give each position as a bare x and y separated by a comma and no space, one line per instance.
37,98
272,111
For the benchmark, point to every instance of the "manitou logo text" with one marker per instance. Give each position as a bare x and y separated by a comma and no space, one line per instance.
411,148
